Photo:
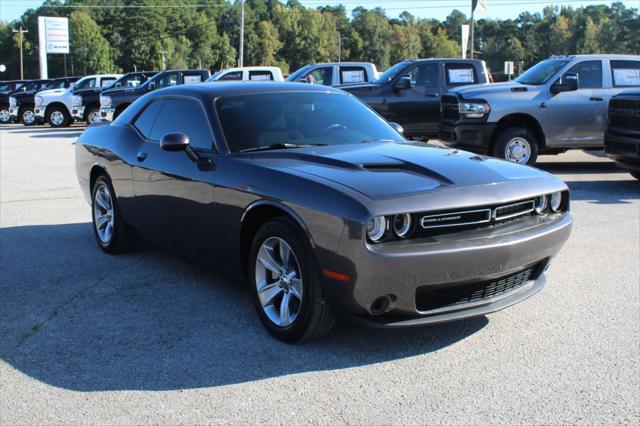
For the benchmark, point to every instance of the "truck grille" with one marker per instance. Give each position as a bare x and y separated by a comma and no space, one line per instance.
438,296
449,106
624,113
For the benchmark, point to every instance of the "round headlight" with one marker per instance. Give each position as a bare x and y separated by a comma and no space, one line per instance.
556,201
376,228
402,225
541,204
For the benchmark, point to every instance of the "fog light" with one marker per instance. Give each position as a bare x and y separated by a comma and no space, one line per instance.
376,228
541,204
556,201
402,225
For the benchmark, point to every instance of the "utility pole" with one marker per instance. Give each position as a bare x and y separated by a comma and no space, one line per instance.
21,32
241,56
473,8
340,48
164,59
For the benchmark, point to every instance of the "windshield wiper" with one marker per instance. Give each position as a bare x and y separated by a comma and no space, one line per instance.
281,145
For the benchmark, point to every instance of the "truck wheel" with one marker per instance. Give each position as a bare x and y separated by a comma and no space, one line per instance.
93,116
58,117
27,117
5,117
516,144
635,175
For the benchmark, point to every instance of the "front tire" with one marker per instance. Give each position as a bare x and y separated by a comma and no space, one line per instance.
28,117
58,117
516,144
109,227
93,116
5,117
285,283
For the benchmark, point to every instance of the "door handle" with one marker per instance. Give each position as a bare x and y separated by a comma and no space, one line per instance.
596,99
141,156
432,95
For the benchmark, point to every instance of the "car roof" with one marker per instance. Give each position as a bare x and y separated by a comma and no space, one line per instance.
601,56
230,88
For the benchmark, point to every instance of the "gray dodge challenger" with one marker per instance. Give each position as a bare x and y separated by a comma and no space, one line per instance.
321,206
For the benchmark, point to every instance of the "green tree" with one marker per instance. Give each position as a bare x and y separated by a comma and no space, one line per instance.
439,45
560,36
89,49
589,43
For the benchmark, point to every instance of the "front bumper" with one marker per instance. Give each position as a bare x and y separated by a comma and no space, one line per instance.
470,136
401,270
13,113
78,113
623,148
39,112
106,114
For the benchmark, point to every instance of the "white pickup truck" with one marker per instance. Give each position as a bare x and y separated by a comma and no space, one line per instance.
248,74
54,106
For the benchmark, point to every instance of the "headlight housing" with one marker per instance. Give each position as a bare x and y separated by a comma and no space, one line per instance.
474,109
76,100
12,101
555,201
39,100
105,101
377,228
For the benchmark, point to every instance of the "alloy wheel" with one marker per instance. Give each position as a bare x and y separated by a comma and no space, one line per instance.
103,213
94,117
278,281
57,118
28,117
4,115
518,150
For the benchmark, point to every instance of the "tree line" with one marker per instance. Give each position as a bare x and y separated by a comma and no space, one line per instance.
107,37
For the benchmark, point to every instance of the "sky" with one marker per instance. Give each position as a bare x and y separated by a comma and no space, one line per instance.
439,9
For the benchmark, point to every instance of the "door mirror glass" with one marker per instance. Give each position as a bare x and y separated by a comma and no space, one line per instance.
403,83
568,83
398,128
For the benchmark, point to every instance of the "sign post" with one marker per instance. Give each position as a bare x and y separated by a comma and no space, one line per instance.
53,37
508,68
465,40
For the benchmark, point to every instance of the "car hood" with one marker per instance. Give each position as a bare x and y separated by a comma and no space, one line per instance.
52,92
87,91
481,90
118,92
384,170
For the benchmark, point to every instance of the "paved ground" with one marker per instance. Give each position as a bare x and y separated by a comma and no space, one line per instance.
148,338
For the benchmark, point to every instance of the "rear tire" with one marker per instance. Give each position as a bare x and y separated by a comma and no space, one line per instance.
27,117
516,144
58,117
109,227
291,280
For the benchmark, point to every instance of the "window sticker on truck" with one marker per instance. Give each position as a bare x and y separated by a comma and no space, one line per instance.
626,77
463,75
353,76
191,79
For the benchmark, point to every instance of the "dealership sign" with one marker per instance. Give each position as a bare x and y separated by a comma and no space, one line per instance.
56,33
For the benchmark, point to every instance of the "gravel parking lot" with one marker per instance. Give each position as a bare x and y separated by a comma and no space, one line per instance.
148,338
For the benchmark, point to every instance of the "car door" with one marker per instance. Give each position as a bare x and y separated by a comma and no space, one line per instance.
417,109
174,196
578,118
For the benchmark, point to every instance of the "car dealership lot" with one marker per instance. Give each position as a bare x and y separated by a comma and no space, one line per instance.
147,337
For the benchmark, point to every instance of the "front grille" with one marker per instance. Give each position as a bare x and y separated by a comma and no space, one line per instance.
623,147
438,296
513,210
624,113
449,105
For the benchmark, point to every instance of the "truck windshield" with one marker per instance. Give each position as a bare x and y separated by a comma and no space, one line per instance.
388,75
296,75
542,72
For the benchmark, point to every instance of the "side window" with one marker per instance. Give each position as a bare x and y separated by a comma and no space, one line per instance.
424,75
234,75
87,84
145,120
192,78
106,81
184,116
168,80
352,75
260,75
322,76
589,74
459,74
625,73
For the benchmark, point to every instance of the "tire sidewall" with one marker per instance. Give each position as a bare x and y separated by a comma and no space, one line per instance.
65,113
116,238
23,112
7,120
91,111
513,132
291,233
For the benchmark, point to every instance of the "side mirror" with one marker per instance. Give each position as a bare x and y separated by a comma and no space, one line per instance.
566,83
118,84
174,142
152,85
403,83
398,128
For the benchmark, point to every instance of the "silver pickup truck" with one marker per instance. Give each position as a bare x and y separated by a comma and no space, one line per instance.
556,105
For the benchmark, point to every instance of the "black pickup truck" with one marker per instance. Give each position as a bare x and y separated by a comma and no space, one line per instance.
114,101
622,137
7,88
86,102
409,92
21,102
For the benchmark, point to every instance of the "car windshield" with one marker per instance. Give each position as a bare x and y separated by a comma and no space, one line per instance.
31,86
391,72
5,87
296,75
56,84
289,120
542,72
